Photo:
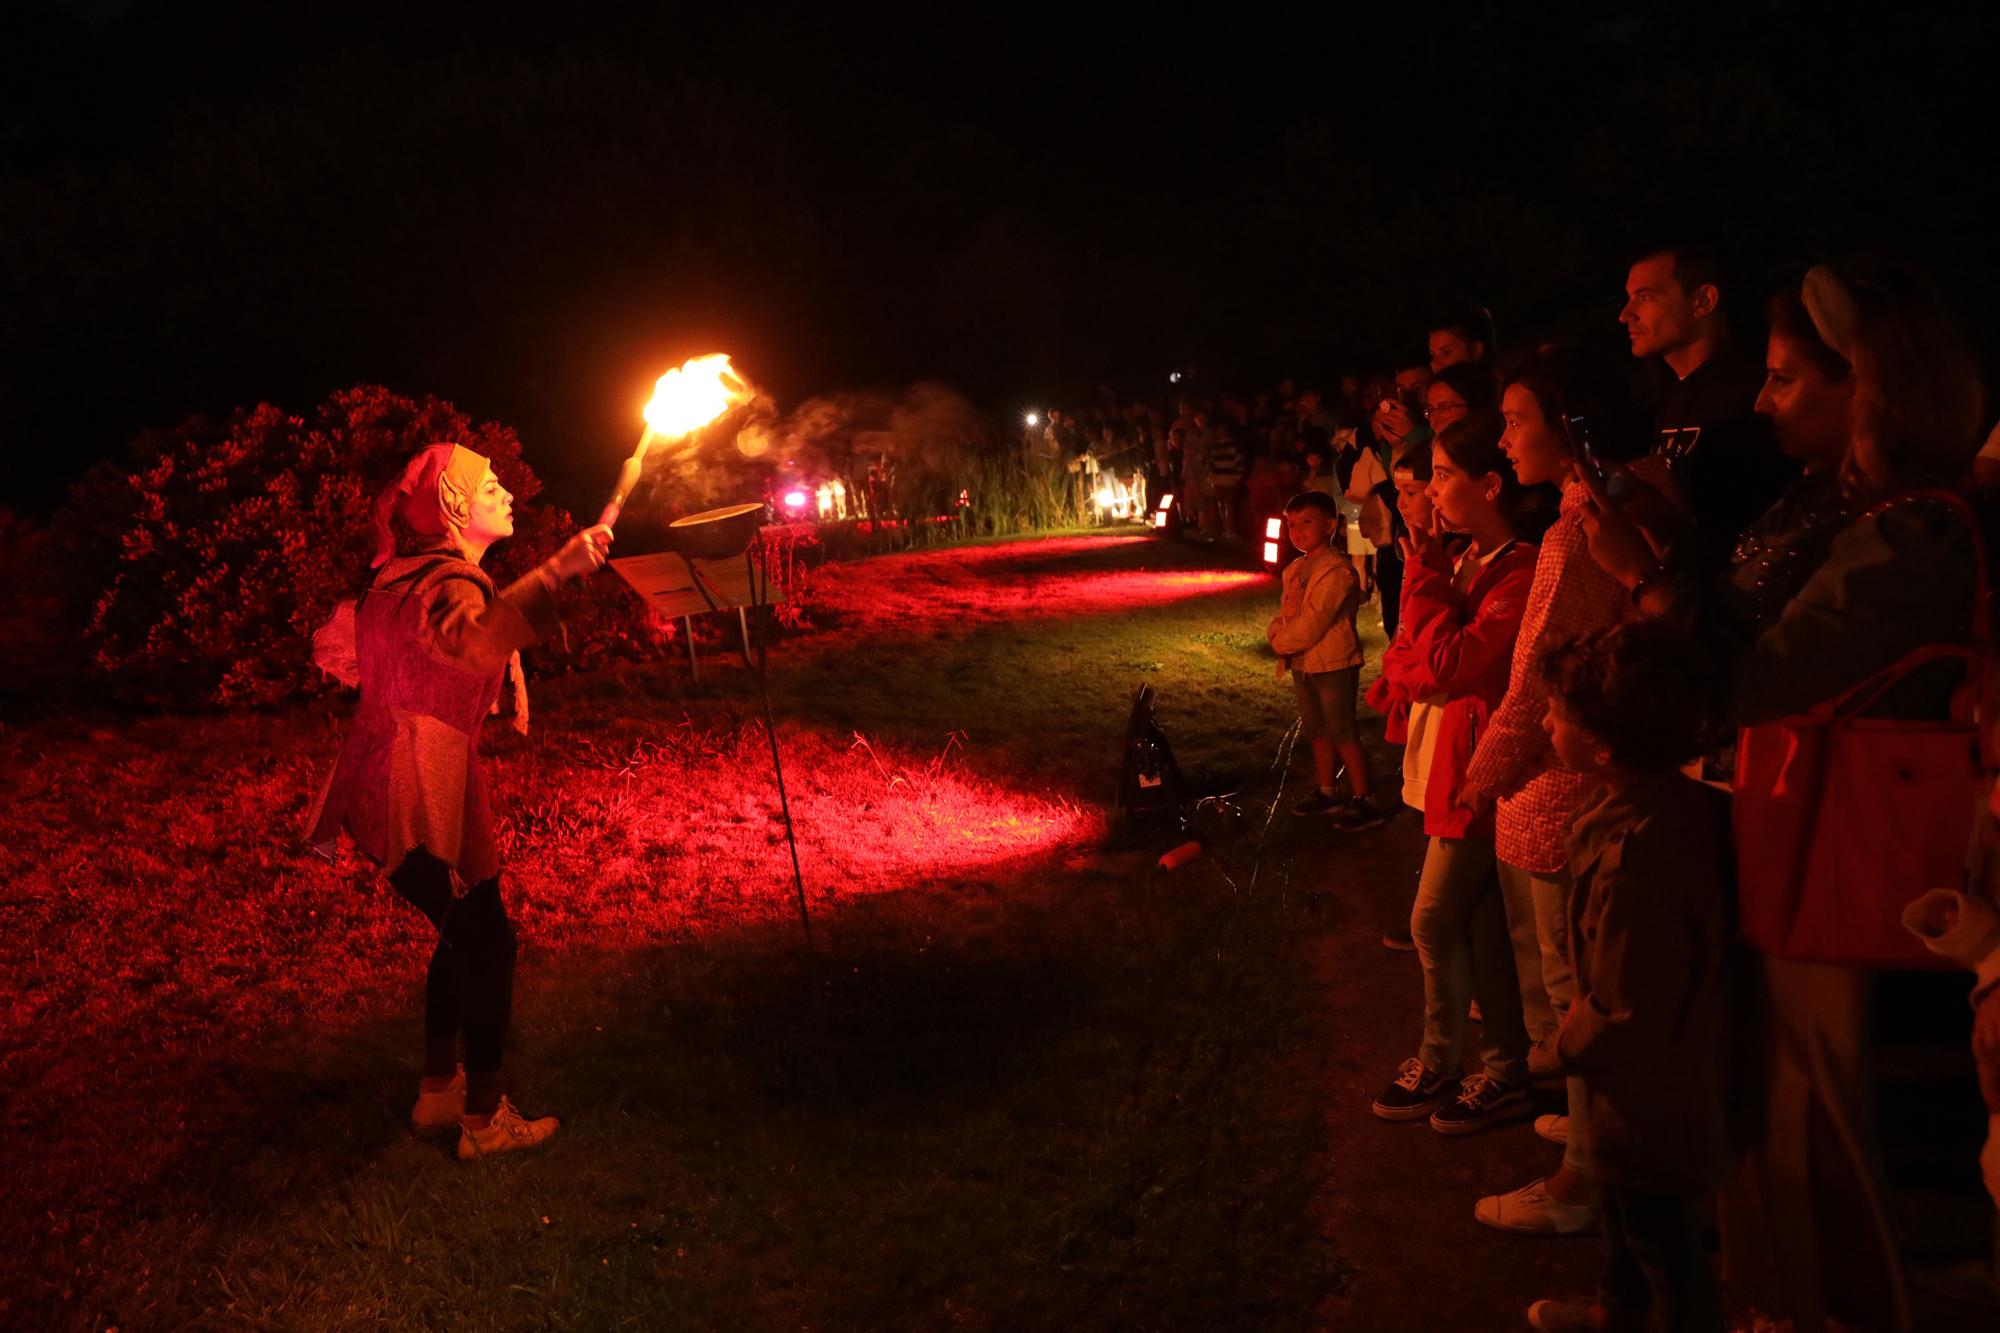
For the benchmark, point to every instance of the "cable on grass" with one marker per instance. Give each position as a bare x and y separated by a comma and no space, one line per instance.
1282,767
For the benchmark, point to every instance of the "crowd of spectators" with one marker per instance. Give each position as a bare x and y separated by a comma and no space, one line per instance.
1687,654
1230,461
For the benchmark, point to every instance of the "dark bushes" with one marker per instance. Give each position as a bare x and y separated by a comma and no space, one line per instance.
197,572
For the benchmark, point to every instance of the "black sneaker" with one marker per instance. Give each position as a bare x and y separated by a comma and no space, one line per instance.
1482,1103
1361,813
1319,803
1416,1092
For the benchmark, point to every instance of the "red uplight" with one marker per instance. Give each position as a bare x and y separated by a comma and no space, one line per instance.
1271,552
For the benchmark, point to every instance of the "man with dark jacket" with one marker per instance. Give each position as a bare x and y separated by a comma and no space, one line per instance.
1723,456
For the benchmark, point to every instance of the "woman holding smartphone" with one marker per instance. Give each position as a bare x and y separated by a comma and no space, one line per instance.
1552,403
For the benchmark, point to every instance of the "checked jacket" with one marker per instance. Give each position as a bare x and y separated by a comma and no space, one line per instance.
1537,800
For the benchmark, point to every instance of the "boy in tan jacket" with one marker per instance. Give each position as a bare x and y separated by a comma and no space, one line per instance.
1315,639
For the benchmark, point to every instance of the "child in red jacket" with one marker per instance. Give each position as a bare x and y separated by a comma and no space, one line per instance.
1461,618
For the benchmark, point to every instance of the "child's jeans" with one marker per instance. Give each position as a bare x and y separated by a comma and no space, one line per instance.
1460,929
1654,1258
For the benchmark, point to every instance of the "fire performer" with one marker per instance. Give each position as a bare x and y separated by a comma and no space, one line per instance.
432,637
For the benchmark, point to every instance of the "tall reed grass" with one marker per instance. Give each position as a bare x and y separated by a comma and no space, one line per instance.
1004,494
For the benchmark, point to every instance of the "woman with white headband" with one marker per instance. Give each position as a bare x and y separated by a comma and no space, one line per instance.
433,635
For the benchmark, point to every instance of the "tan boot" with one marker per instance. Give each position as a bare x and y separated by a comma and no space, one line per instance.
508,1131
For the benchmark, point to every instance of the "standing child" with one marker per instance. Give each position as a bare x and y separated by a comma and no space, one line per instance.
1316,641
1463,613
1406,702
1333,480
1650,927
1395,695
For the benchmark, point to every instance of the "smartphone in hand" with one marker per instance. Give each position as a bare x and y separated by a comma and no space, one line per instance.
1609,481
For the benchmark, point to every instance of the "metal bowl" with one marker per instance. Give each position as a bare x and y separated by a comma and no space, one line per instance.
715,534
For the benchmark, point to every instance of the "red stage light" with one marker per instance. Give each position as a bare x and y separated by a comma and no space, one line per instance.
1270,553
796,499
1274,528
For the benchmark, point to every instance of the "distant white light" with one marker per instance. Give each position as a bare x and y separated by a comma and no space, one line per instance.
1034,420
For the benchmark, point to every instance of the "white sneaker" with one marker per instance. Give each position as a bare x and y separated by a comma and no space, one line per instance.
508,1131
1529,1211
1554,1128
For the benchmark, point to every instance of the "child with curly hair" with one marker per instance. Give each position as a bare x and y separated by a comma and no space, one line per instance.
1651,925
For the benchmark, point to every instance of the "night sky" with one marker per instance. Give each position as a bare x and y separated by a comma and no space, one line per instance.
209,204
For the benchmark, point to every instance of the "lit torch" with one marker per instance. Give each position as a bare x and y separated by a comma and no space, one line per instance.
686,398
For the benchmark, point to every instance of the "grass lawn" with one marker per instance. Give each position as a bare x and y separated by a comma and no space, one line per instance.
1024,1081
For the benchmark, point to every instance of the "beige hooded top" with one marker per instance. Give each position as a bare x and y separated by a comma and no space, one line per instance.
432,637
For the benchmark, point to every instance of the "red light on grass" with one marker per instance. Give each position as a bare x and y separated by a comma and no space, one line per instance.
970,586
921,824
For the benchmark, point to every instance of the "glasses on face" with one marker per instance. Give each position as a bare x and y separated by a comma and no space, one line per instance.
1443,410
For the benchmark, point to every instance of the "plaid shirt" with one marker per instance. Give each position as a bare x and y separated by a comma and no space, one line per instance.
1538,800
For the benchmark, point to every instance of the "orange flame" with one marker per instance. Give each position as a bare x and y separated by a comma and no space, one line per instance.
693,394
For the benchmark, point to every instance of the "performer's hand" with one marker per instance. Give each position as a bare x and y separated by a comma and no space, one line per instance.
583,554
1473,801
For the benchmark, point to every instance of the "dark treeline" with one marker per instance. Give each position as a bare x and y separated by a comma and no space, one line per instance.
206,204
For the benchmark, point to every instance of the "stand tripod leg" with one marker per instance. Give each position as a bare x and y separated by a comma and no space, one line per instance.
785,805
694,663
758,590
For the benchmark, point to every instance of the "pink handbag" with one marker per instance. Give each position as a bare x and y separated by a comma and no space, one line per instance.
1841,819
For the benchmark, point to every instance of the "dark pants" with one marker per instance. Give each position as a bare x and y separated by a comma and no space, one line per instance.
1389,581
470,987
1653,1257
